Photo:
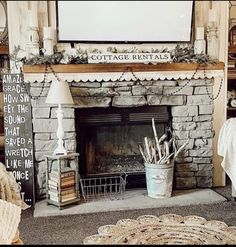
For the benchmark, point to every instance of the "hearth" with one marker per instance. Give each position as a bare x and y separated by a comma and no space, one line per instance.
108,139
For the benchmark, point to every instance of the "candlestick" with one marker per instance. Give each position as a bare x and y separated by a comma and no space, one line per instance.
47,33
199,32
199,43
48,46
32,33
32,18
212,40
48,40
212,15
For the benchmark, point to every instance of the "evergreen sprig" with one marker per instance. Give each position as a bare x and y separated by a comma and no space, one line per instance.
179,54
186,55
44,59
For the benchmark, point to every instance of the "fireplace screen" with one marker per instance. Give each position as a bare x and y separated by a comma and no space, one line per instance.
108,139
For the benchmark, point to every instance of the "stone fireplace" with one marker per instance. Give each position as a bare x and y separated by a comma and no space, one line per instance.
109,138
183,102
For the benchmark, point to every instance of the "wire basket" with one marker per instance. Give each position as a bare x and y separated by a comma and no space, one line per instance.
103,188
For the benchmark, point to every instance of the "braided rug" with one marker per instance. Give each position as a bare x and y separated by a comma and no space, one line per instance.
165,229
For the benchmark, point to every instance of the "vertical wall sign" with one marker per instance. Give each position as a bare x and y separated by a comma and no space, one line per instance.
18,134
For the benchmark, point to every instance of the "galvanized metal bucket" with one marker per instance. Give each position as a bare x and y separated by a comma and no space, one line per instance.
159,179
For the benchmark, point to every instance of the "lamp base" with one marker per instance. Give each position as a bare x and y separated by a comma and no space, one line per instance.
60,150
60,133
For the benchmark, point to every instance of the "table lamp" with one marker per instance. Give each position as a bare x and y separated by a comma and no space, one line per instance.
59,93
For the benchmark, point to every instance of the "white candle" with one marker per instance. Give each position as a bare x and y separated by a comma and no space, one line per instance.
32,18
200,33
47,33
48,46
212,15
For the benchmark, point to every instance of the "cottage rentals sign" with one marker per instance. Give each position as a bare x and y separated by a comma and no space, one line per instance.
129,57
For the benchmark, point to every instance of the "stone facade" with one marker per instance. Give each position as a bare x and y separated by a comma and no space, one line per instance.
191,110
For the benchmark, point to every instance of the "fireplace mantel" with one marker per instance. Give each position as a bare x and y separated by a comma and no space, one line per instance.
99,86
114,72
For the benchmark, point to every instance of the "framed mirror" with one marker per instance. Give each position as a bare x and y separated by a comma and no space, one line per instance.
3,22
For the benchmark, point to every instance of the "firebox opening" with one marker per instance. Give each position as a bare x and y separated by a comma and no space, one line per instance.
108,140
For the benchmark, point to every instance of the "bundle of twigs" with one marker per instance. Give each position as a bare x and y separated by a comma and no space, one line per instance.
159,151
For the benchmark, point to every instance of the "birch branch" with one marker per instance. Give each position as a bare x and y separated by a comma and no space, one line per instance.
161,160
180,149
166,144
157,151
147,148
168,157
174,146
142,153
154,154
163,137
170,142
156,138
163,151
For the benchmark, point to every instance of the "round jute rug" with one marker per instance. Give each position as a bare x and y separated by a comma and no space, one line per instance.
165,229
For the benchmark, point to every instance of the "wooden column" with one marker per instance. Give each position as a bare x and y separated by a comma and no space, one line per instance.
17,26
220,105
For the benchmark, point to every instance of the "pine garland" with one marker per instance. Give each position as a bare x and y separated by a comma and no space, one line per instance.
178,55
44,59
186,55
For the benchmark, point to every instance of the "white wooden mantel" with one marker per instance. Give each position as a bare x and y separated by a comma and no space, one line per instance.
122,72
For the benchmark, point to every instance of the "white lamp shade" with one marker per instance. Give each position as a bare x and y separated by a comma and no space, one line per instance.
59,93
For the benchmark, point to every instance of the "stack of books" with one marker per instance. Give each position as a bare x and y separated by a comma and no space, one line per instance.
67,189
